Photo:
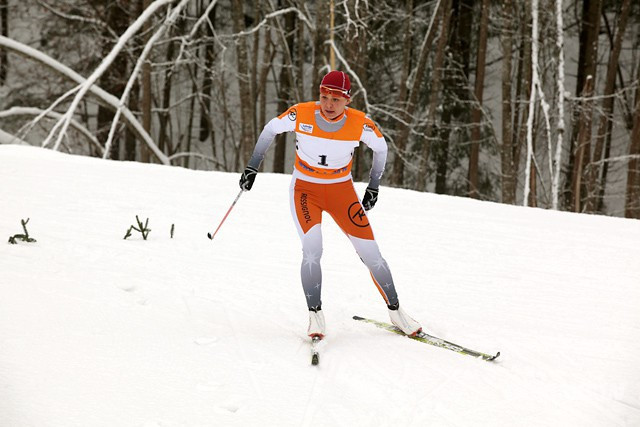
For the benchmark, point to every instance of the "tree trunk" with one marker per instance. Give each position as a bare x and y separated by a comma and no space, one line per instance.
267,64
607,111
434,97
195,94
4,30
456,95
581,123
300,61
130,137
286,89
509,172
257,4
113,82
557,162
632,201
247,140
529,186
164,117
533,176
356,51
145,154
476,115
582,145
319,48
206,125
397,176
523,93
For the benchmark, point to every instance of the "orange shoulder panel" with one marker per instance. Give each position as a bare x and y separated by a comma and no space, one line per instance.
369,123
306,112
294,111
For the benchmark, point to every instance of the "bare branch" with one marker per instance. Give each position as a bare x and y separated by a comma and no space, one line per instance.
32,111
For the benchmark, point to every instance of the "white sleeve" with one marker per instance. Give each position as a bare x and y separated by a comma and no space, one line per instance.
276,126
372,137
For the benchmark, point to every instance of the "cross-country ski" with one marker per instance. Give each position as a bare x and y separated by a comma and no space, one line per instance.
431,340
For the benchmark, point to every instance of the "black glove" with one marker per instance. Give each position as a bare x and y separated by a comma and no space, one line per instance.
370,198
247,178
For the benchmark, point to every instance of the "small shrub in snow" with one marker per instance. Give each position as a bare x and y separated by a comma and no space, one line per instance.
24,237
143,229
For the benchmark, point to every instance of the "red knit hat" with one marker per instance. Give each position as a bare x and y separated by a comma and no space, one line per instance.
337,81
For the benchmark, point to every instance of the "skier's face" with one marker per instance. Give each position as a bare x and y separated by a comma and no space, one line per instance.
332,104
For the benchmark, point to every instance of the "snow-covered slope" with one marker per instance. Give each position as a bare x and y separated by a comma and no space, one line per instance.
100,331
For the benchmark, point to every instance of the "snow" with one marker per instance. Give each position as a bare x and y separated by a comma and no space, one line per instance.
96,330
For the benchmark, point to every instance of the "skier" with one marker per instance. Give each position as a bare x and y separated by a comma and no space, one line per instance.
327,132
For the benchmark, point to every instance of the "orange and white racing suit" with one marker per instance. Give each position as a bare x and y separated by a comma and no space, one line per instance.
322,182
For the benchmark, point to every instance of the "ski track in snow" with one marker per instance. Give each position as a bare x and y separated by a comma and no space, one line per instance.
100,331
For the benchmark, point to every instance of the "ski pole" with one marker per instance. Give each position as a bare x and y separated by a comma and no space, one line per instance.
211,236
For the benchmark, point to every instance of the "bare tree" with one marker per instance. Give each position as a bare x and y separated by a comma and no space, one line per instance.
434,97
145,103
357,52
406,121
557,162
102,96
4,30
207,131
247,139
476,114
116,17
509,172
451,138
285,93
529,174
632,199
320,57
587,66
604,128
520,106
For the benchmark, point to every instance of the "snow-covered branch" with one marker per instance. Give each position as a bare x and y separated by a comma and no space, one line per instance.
106,62
105,97
274,14
134,74
32,111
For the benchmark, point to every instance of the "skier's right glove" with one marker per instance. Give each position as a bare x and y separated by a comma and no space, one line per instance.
247,178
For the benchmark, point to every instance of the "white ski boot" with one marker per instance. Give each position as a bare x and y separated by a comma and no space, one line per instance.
403,321
316,324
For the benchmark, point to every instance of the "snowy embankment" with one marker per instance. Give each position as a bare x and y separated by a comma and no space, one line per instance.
100,331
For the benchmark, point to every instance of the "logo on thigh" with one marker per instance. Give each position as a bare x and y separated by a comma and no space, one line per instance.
304,207
357,215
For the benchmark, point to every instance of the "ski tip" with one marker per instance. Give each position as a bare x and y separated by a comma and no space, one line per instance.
494,357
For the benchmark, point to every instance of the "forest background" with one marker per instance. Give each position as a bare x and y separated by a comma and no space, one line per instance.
530,102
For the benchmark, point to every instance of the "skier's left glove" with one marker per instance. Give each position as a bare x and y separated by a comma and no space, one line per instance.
247,178
370,198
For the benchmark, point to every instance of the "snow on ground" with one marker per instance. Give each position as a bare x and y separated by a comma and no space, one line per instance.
96,330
